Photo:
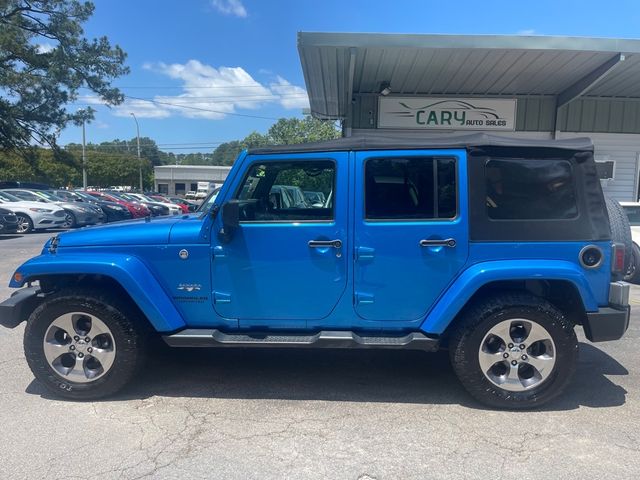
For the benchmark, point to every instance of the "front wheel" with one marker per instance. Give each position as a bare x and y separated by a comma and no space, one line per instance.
83,345
69,220
514,351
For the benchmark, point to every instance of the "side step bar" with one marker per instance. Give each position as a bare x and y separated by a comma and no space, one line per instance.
323,339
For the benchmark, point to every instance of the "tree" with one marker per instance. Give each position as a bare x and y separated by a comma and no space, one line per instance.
44,60
286,131
290,131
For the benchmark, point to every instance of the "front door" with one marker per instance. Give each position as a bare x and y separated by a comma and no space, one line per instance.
410,231
287,261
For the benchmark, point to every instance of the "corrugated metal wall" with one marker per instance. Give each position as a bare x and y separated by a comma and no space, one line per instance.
536,114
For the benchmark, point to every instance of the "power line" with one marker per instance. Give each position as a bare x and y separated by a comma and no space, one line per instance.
203,109
140,87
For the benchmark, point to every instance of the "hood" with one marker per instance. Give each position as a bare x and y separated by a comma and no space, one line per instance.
129,232
26,204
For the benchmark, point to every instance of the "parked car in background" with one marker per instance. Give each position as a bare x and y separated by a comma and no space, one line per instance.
159,198
632,209
155,208
136,209
113,212
75,215
191,206
33,215
173,208
8,221
190,195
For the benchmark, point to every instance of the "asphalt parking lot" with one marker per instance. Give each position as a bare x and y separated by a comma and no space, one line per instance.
248,414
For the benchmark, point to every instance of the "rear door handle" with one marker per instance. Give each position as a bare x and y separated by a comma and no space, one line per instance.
325,243
447,242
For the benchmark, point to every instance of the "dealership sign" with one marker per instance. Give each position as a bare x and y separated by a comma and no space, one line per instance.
447,113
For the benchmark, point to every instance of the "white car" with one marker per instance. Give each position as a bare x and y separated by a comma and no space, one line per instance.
33,215
173,209
632,209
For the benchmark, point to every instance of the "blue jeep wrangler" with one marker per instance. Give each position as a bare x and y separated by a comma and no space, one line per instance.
492,248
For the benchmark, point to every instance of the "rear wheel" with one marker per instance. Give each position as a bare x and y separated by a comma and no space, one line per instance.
514,351
83,345
25,224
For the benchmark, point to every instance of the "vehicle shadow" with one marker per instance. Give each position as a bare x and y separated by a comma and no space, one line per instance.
9,236
342,375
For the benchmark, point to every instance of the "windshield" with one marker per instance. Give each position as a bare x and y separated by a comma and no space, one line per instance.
633,212
7,197
49,196
206,205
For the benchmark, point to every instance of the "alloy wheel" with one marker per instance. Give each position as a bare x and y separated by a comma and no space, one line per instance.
517,355
79,347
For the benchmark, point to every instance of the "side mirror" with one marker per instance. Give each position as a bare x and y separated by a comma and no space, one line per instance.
230,219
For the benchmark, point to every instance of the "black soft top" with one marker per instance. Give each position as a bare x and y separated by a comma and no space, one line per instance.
428,140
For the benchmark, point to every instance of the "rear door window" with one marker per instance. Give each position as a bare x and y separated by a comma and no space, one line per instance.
415,188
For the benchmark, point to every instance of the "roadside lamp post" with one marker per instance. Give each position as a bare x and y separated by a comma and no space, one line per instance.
83,113
138,140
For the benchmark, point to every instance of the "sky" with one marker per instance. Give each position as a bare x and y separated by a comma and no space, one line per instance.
217,70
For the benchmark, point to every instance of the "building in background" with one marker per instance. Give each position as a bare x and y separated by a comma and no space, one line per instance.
180,179
515,86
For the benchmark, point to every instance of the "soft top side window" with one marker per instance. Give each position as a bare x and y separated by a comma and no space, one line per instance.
288,191
530,189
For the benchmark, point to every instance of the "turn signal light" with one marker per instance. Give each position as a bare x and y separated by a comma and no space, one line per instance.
17,277
618,258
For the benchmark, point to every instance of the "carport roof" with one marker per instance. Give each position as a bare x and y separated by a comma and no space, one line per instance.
337,66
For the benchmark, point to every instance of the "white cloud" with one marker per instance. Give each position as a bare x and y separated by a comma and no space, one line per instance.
141,108
209,92
526,32
230,7
290,96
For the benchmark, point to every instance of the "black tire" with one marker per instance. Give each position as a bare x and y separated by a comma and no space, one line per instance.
25,220
475,323
633,271
620,229
129,335
69,220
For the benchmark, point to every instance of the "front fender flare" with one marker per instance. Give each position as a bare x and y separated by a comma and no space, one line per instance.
129,271
480,274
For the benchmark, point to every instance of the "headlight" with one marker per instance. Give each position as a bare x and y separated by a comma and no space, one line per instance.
40,210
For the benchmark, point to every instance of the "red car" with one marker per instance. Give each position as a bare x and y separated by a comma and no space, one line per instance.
137,210
160,198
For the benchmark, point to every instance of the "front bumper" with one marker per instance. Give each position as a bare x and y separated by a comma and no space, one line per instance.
15,309
610,323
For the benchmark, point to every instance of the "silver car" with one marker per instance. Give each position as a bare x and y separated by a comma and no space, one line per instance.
75,215
33,215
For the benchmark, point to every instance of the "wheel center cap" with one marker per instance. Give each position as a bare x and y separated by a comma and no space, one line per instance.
81,346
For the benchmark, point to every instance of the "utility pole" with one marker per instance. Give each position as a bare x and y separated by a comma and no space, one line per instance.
84,158
139,160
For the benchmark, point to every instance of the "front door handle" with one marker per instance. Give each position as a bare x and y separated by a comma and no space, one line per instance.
447,242
325,243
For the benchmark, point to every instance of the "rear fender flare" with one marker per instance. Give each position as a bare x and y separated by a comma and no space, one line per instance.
473,278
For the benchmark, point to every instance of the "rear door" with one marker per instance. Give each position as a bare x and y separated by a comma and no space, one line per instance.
411,233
